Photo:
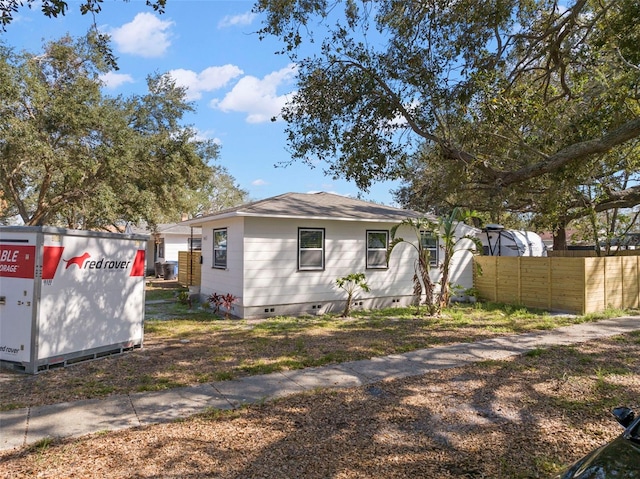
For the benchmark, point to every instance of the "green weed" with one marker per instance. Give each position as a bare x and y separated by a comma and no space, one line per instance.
535,353
149,383
223,376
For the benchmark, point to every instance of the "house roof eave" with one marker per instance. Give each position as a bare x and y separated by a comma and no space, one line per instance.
312,206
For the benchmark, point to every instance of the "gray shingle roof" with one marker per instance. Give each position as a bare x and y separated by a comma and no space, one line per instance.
314,205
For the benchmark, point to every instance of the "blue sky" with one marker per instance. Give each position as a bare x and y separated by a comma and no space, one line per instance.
236,81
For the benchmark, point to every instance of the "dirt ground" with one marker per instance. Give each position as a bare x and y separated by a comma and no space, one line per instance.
202,350
522,418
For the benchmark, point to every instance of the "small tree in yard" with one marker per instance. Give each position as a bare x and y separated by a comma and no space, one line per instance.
350,284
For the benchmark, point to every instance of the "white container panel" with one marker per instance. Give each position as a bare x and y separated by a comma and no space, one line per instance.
94,296
17,306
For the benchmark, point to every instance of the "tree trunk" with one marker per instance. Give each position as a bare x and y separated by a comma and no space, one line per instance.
560,239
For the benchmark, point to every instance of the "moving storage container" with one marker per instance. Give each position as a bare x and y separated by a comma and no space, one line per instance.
68,295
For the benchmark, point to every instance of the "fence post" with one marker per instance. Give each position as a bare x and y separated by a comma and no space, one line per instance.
549,285
519,279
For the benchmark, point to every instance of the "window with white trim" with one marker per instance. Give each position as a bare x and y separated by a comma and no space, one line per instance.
220,248
430,242
310,249
377,243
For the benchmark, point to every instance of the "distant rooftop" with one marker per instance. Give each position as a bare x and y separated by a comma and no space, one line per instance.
164,229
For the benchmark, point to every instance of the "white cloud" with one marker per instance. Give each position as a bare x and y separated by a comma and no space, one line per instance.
235,20
113,80
259,182
208,79
146,35
203,135
258,97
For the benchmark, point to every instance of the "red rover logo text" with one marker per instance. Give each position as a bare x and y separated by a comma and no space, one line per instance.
82,262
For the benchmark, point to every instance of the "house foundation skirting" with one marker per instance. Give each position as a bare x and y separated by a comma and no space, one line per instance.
318,308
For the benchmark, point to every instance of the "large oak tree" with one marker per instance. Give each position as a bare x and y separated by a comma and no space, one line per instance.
491,99
74,157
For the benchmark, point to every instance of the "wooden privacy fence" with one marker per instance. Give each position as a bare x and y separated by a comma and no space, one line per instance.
581,253
189,268
574,285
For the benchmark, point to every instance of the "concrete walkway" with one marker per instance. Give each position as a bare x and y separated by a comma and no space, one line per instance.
26,426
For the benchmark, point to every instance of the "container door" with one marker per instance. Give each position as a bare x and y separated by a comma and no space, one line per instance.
92,294
17,282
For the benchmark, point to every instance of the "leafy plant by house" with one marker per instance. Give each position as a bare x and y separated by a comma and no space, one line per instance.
422,282
445,229
350,284
215,300
227,302
183,298
221,300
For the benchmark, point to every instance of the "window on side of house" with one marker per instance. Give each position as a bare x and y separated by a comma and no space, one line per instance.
377,243
430,242
310,249
220,248
195,243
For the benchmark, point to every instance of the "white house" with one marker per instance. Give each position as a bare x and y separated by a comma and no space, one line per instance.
166,240
282,255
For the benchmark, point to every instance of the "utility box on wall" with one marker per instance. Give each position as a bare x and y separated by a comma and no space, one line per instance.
67,296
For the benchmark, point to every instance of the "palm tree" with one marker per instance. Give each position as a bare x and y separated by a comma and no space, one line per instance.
445,230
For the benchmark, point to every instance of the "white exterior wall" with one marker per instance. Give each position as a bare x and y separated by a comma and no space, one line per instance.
461,267
173,244
272,278
262,267
229,280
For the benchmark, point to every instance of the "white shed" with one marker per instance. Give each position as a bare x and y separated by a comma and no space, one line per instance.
282,255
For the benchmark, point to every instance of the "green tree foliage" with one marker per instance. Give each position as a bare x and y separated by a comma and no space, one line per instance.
219,193
71,156
422,282
516,106
446,228
351,283
56,8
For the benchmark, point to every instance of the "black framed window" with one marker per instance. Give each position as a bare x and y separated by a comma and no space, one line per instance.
430,242
310,249
220,248
377,243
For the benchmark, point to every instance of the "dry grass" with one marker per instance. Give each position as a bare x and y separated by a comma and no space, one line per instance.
521,418
190,346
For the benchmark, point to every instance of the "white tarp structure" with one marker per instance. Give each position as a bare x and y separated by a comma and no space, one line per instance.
497,241
68,295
